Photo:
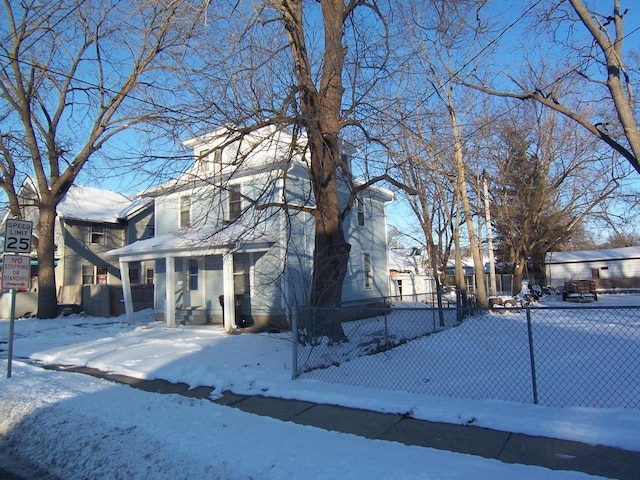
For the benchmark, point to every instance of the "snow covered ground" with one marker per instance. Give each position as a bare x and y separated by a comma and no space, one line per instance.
81,427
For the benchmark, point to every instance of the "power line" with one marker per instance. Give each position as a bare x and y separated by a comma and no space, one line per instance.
405,115
512,108
54,6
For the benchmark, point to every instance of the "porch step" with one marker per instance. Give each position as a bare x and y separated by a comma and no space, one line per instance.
191,316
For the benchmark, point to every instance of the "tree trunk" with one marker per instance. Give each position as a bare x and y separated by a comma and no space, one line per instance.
461,284
433,263
331,253
47,295
518,270
481,290
321,110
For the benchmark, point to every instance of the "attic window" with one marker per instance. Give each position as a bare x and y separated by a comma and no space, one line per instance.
96,235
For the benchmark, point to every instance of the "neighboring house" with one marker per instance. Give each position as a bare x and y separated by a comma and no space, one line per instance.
604,266
90,222
503,272
408,277
234,236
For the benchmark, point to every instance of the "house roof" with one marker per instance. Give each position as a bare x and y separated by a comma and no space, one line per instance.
581,256
96,205
267,149
192,242
404,259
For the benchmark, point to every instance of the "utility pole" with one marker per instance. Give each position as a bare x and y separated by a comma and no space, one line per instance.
493,289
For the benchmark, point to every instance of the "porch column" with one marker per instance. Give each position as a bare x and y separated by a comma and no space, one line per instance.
228,290
126,291
170,293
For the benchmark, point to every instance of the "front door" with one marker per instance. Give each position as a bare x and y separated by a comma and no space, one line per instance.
192,289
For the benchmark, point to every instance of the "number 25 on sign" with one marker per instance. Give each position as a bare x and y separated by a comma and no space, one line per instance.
17,238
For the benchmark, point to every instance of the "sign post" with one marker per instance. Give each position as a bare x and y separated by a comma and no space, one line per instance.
16,270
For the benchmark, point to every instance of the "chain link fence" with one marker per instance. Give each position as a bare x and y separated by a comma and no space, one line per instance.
569,356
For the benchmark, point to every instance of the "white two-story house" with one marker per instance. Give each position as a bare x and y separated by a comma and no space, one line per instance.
234,243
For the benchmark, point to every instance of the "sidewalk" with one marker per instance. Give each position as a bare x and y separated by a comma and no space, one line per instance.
504,446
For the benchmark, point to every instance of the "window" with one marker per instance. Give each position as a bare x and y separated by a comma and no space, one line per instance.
96,235
193,274
101,275
94,274
150,276
134,275
368,274
360,207
235,203
241,273
185,211
150,231
88,275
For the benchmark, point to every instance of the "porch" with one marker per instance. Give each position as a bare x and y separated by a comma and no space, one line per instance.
201,276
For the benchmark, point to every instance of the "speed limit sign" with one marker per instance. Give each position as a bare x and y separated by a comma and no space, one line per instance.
17,236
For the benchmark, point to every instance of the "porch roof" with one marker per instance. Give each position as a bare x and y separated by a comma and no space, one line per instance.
194,242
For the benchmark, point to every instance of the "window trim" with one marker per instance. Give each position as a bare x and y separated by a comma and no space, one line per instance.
97,230
184,213
235,202
367,269
96,273
193,274
360,212
149,278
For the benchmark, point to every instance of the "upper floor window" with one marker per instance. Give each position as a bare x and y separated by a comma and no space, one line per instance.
150,231
360,209
96,235
212,158
235,202
185,211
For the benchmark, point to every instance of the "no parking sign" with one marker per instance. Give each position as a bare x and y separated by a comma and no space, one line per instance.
16,272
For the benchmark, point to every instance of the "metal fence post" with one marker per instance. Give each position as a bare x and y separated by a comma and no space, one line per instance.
294,344
534,380
386,331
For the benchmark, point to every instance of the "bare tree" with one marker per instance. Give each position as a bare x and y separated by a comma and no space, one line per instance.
421,165
74,75
547,176
592,84
437,37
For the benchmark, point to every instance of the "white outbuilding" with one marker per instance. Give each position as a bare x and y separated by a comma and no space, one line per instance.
612,263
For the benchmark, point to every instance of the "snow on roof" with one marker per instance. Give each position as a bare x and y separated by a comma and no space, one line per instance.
193,239
404,259
96,205
578,256
266,148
